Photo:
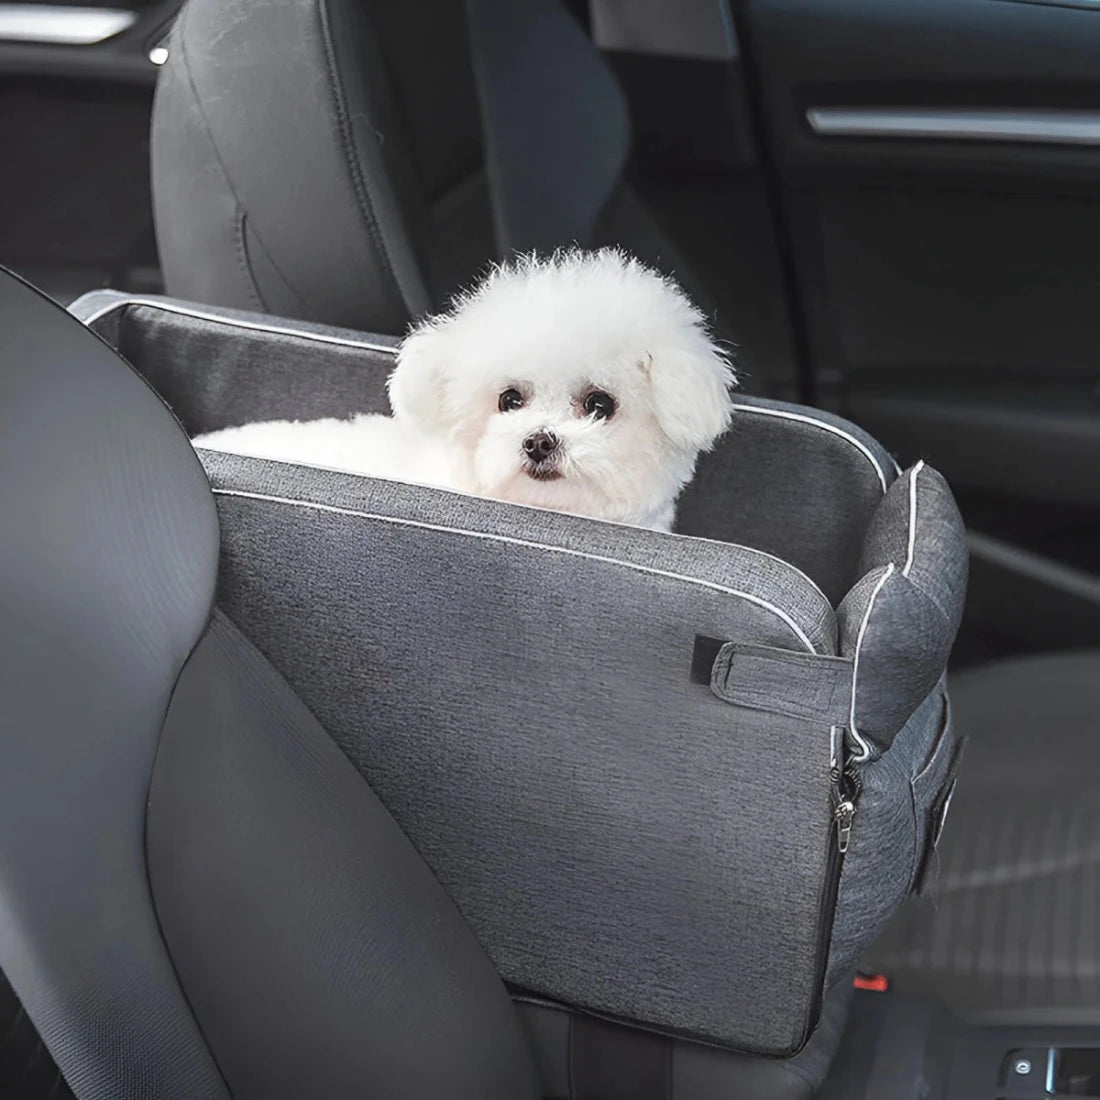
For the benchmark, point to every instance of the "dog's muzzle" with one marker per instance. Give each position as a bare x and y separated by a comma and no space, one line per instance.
540,449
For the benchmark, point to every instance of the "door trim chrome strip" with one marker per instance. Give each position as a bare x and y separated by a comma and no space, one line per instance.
1039,126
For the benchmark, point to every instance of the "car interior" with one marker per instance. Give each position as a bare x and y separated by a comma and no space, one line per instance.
890,210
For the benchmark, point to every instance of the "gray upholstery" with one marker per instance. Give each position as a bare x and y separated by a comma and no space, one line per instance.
320,955
1008,930
107,569
163,942
518,687
526,714
323,234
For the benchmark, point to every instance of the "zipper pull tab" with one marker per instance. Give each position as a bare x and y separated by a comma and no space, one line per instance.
845,812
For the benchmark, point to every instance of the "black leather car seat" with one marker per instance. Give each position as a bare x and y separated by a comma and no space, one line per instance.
199,895
357,163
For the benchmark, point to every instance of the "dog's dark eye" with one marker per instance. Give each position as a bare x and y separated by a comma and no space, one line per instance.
510,400
600,405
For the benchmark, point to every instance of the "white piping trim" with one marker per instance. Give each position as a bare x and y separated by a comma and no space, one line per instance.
864,748
912,518
509,540
783,414
234,322
552,512
1057,127
810,582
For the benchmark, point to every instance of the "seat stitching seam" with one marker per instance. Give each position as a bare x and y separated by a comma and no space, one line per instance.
246,267
181,37
235,322
361,187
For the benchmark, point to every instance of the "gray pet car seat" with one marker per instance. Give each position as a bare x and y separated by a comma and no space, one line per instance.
675,781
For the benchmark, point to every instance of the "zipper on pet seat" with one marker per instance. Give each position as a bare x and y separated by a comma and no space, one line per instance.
846,788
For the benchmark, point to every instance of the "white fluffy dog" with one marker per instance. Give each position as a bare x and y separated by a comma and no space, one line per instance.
583,382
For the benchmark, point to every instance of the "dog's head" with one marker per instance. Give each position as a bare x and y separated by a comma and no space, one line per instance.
584,382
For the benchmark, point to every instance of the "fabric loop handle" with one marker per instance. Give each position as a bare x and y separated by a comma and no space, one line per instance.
801,685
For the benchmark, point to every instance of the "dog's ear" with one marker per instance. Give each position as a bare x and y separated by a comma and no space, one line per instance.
417,384
691,395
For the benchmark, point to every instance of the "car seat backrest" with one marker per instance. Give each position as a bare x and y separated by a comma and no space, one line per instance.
325,160
107,567
199,896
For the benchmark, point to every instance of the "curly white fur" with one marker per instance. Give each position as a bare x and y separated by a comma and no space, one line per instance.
557,331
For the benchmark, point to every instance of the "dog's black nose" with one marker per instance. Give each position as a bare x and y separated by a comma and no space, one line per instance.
539,446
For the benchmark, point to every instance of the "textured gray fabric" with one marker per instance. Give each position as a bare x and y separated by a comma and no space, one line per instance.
890,831
1010,929
215,374
108,555
899,622
917,527
319,954
618,838
821,489
816,688
800,606
694,1072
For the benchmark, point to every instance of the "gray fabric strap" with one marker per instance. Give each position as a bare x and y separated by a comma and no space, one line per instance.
802,685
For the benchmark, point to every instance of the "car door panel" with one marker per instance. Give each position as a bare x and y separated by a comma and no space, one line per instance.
939,165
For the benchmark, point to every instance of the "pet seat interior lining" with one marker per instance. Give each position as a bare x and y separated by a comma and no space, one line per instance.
253,368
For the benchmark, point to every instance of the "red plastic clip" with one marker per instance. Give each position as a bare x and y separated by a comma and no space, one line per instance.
873,983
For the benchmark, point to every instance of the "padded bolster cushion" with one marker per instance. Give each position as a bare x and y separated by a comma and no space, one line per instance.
221,367
800,483
899,621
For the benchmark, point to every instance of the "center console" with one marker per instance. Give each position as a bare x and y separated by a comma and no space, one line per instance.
911,1047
